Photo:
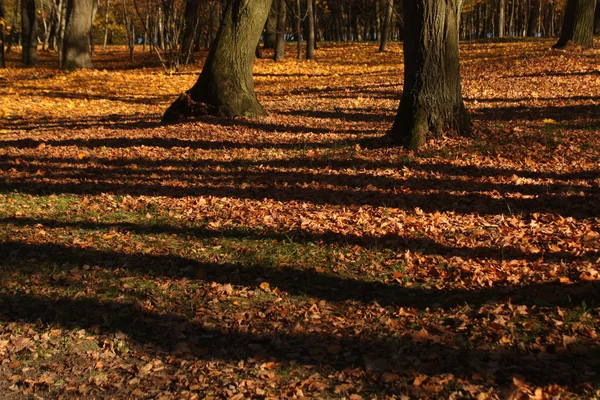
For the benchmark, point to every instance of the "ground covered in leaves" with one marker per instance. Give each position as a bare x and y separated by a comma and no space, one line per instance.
298,254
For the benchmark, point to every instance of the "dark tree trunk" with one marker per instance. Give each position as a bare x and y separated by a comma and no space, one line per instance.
270,33
534,18
225,86
432,99
29,32
76,41
2,26
280,40
578,25
310,31
190,15
385,31
299,28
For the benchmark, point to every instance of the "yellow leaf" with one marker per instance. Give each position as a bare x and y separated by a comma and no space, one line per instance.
265,286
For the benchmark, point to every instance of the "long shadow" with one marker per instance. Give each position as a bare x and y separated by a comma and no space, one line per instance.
345,116
419,245
559,113
527,99
446,168
554,73
154,331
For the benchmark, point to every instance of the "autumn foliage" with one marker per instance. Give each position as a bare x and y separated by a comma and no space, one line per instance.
299,254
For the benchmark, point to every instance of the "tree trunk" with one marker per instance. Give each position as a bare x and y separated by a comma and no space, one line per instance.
225,86
432,99
2,26
105,25
280,40
501,23
29,32
270,35
310,31
597,19
578,25
191,13
534,18
299,28
385,31
76,42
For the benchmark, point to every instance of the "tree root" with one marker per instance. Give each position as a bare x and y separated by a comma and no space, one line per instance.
184,108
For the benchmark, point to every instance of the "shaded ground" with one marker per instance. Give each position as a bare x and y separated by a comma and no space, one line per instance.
297,254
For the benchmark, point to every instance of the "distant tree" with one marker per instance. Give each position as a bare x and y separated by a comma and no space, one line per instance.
76,41
578,24
225,85
2,26
29,32
280,38
432,97
310,31
190,14
387,22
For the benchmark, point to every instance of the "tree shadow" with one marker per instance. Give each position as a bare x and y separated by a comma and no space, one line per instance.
559,113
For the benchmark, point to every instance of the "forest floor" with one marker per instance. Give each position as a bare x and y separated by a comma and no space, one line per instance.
298,254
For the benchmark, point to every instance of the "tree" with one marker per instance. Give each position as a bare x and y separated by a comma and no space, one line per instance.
29,32
2,25
191,13
280,39
76,41
310,29
432,98
225,85
578,24
385,30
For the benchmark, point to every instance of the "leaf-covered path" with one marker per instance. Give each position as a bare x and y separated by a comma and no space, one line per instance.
298,254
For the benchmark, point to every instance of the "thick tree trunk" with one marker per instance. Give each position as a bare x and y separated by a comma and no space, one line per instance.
432,100
310,31
280,40
578,25
29,32
76,42
191,13
2,27
270,33
385,31
534,18
225,86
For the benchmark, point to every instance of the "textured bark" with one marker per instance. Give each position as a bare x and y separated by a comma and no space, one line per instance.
310,30
432,100
385,30
2,27
578,25
225,86
270,32
299,29
280,40
29,32
597,19
76,41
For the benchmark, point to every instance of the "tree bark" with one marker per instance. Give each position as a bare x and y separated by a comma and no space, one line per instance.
225,86
432,99
534,18
280,40
105,25
310,31
597,19
385,31
76,41
270,32
29,32
299,28
578,24
2,27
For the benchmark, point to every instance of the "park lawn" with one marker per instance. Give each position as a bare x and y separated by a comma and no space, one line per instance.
299,254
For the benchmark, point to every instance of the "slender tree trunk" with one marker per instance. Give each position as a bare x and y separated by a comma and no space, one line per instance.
29,32
511,23
225,86
299,28
2,27
578,25
385,31
280,40
92,18
432,99
105,25
501,13
76,42
534,18
310,30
